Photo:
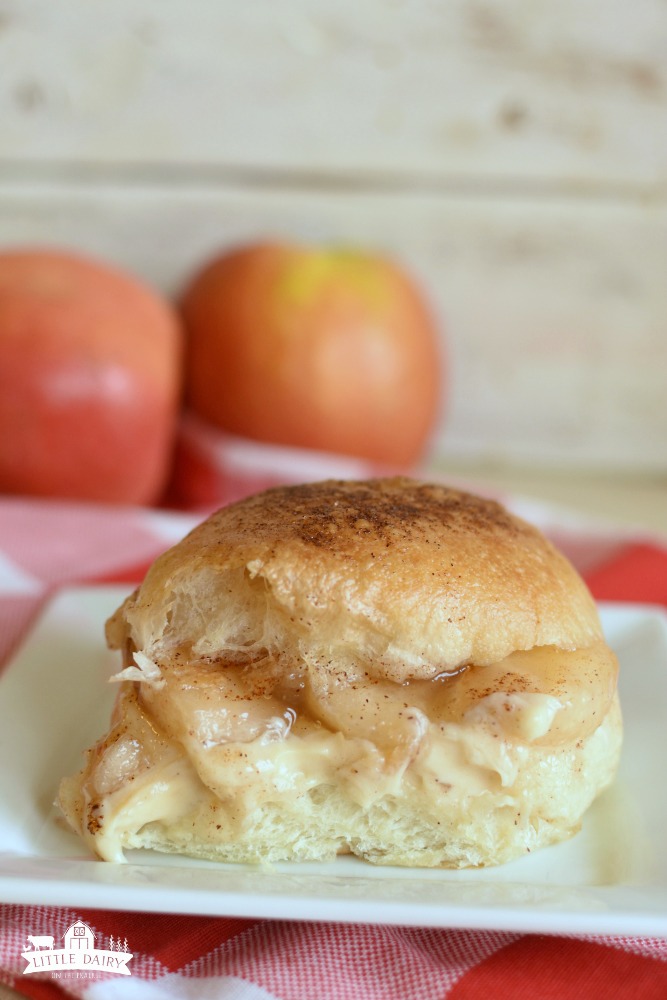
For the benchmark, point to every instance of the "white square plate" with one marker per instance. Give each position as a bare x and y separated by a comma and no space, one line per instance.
611,878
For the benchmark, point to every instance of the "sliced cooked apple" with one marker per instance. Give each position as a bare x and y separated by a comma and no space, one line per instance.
212,704
365,708
582,682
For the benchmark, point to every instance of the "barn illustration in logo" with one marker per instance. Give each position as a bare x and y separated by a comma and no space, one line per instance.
79,937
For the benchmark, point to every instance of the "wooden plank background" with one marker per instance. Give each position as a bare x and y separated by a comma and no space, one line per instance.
512,154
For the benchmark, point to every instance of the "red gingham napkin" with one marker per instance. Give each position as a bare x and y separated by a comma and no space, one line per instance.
44,546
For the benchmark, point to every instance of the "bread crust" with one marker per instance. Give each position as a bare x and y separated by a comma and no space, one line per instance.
414,578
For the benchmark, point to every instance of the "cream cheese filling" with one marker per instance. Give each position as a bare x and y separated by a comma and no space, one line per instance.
207,744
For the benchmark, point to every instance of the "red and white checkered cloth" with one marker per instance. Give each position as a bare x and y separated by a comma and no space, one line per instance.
45,546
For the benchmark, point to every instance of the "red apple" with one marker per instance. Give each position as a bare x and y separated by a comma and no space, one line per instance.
327,349
89,380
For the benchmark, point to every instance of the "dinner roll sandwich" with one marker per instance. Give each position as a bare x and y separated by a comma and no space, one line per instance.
389,668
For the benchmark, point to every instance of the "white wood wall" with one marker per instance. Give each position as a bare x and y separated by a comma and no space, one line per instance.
512,153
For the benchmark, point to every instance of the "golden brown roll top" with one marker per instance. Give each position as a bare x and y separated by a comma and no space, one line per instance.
410,578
